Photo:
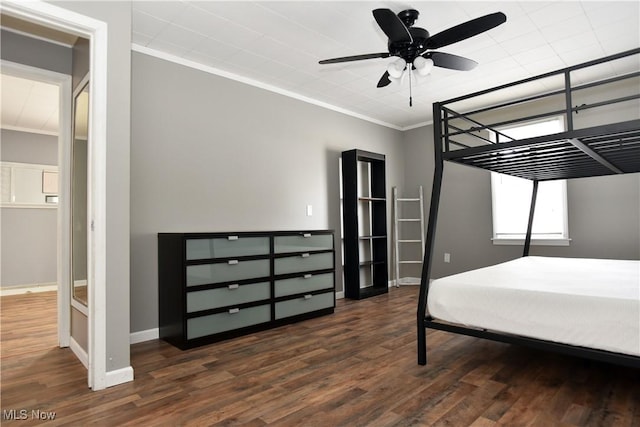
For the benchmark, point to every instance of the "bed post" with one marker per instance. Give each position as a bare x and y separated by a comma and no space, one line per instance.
532,208
430,239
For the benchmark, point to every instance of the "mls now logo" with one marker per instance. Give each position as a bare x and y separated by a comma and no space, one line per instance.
23,414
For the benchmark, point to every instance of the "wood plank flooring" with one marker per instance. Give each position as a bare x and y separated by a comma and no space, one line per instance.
354,368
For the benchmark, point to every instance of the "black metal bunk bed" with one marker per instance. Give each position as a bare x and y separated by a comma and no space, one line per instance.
607,149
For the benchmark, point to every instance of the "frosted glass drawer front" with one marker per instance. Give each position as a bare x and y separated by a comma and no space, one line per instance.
227,321
307,283
229,295
227,247
302,305
226,272
304,262
303,242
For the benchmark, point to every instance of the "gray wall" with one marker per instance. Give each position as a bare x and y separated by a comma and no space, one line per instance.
29,235
117,15
81,58
604,216
27,147
36,53
28,246
212,154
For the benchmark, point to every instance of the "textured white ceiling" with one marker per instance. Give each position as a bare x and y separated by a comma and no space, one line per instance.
280,43
277,45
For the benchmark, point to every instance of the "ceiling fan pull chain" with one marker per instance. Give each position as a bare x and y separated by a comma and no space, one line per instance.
410,97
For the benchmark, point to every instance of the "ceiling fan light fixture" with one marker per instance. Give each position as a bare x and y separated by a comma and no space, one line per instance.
396,68
423,65
408,43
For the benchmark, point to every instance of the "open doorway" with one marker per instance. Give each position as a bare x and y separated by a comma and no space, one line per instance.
29,210
80,19
36,181
29,156
88,323
36,105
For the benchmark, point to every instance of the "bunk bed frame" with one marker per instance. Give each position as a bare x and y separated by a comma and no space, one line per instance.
595,151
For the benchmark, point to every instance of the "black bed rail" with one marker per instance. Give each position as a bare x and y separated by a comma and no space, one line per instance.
570,350
452,122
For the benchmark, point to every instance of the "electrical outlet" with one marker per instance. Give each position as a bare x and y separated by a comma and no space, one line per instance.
447,257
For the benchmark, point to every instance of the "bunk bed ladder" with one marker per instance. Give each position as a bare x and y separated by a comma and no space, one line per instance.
402,238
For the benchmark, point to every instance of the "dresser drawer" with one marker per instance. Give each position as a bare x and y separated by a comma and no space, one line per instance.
229,320
229,295
305,304
306,283
303,262
227,247
231,271
303,242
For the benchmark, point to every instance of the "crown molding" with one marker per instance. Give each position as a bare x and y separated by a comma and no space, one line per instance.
222,73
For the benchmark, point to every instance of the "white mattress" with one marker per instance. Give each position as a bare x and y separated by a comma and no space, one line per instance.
592,303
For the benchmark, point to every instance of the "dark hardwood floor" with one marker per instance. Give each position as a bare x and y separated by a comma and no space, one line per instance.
354,368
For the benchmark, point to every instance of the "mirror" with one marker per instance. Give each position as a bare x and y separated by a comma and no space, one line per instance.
79,178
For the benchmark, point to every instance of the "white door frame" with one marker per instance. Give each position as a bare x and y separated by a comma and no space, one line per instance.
63,81
96,31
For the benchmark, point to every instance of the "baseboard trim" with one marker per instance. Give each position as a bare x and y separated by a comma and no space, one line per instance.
409,281
340,295
142,336
119,376
80,353
27,289
404,281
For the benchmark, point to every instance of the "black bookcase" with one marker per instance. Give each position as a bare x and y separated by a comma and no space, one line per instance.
365,224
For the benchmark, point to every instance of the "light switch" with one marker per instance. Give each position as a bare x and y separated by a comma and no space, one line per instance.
309,210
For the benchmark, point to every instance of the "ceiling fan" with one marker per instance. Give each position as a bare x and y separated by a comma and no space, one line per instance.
414,46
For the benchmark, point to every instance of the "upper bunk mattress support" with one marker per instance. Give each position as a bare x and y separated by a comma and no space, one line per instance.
596,151
595,156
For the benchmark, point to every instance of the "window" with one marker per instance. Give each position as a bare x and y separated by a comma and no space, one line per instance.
27,185
511,197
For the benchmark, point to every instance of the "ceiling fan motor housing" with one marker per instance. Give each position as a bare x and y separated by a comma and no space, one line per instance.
410,50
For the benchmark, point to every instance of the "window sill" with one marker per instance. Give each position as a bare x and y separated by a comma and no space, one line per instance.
534,242
28,205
